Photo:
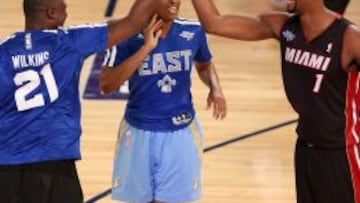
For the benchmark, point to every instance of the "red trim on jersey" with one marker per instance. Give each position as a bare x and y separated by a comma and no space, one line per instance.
338,16
352,131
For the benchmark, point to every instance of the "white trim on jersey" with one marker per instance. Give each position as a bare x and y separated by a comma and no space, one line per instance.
95,25
106,57
113,56
110,57
357,156
84,26
51,31
184,21
354,111
7,39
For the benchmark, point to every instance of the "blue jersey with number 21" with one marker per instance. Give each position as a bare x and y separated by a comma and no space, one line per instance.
39,97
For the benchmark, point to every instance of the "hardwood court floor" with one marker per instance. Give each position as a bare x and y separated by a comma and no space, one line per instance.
256,170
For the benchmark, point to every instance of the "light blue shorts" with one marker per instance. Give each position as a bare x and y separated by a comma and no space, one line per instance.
162,166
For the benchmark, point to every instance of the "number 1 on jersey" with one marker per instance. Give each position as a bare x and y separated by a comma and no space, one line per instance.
33,81
319,79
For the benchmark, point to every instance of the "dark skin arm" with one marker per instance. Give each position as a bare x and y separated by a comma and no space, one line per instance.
216,99
351,49
119,30
264,26
111,78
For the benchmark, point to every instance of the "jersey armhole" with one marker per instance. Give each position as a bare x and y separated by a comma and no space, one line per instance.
286,22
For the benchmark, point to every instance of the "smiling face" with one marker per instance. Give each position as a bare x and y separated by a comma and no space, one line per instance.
168,10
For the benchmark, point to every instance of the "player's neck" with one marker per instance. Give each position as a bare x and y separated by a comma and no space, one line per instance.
314,23
33,24
316,19
166,28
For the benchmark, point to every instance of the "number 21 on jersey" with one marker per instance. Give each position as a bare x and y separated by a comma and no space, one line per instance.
28,81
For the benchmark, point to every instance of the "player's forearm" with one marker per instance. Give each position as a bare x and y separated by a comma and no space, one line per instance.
233,26
112,78
119,30
208,76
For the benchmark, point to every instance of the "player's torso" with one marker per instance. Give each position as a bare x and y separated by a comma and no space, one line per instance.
40,91
161,86
315,82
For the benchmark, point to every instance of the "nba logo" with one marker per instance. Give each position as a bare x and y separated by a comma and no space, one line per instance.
28,41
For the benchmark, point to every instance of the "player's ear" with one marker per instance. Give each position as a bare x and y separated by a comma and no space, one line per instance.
51,13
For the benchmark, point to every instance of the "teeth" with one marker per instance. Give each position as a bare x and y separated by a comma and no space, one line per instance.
173,9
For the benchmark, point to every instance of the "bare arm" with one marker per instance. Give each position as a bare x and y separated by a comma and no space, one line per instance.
216,99
112,77
240,27
351,50
119,30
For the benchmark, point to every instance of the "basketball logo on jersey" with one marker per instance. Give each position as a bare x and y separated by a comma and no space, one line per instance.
166,84
289,36
187,35
182,119
28,41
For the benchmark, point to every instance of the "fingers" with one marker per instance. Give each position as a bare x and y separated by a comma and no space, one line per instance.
155,23
219,108
158,34
209,102
158,24
152,21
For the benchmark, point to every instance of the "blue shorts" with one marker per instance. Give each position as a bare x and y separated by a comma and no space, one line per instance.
162,166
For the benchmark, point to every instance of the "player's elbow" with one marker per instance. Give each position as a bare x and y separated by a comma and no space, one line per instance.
210,28
212,25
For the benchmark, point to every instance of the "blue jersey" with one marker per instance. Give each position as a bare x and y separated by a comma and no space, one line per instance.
160,98
39,98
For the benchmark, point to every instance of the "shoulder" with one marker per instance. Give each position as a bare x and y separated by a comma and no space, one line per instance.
184,23
187,22
352,35
189,26
81,28
3,42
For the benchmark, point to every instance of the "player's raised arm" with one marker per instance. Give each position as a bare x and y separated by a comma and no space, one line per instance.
241,27
131,24
113,75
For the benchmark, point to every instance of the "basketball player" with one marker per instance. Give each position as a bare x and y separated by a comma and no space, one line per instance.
320,58
158,156
39,99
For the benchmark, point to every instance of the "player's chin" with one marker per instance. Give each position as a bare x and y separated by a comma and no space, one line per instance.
291,6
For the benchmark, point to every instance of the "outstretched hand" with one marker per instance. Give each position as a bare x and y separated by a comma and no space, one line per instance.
217,101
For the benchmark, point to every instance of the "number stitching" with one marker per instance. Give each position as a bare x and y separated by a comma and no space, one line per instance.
28,81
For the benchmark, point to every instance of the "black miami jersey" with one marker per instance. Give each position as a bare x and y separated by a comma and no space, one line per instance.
315,82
